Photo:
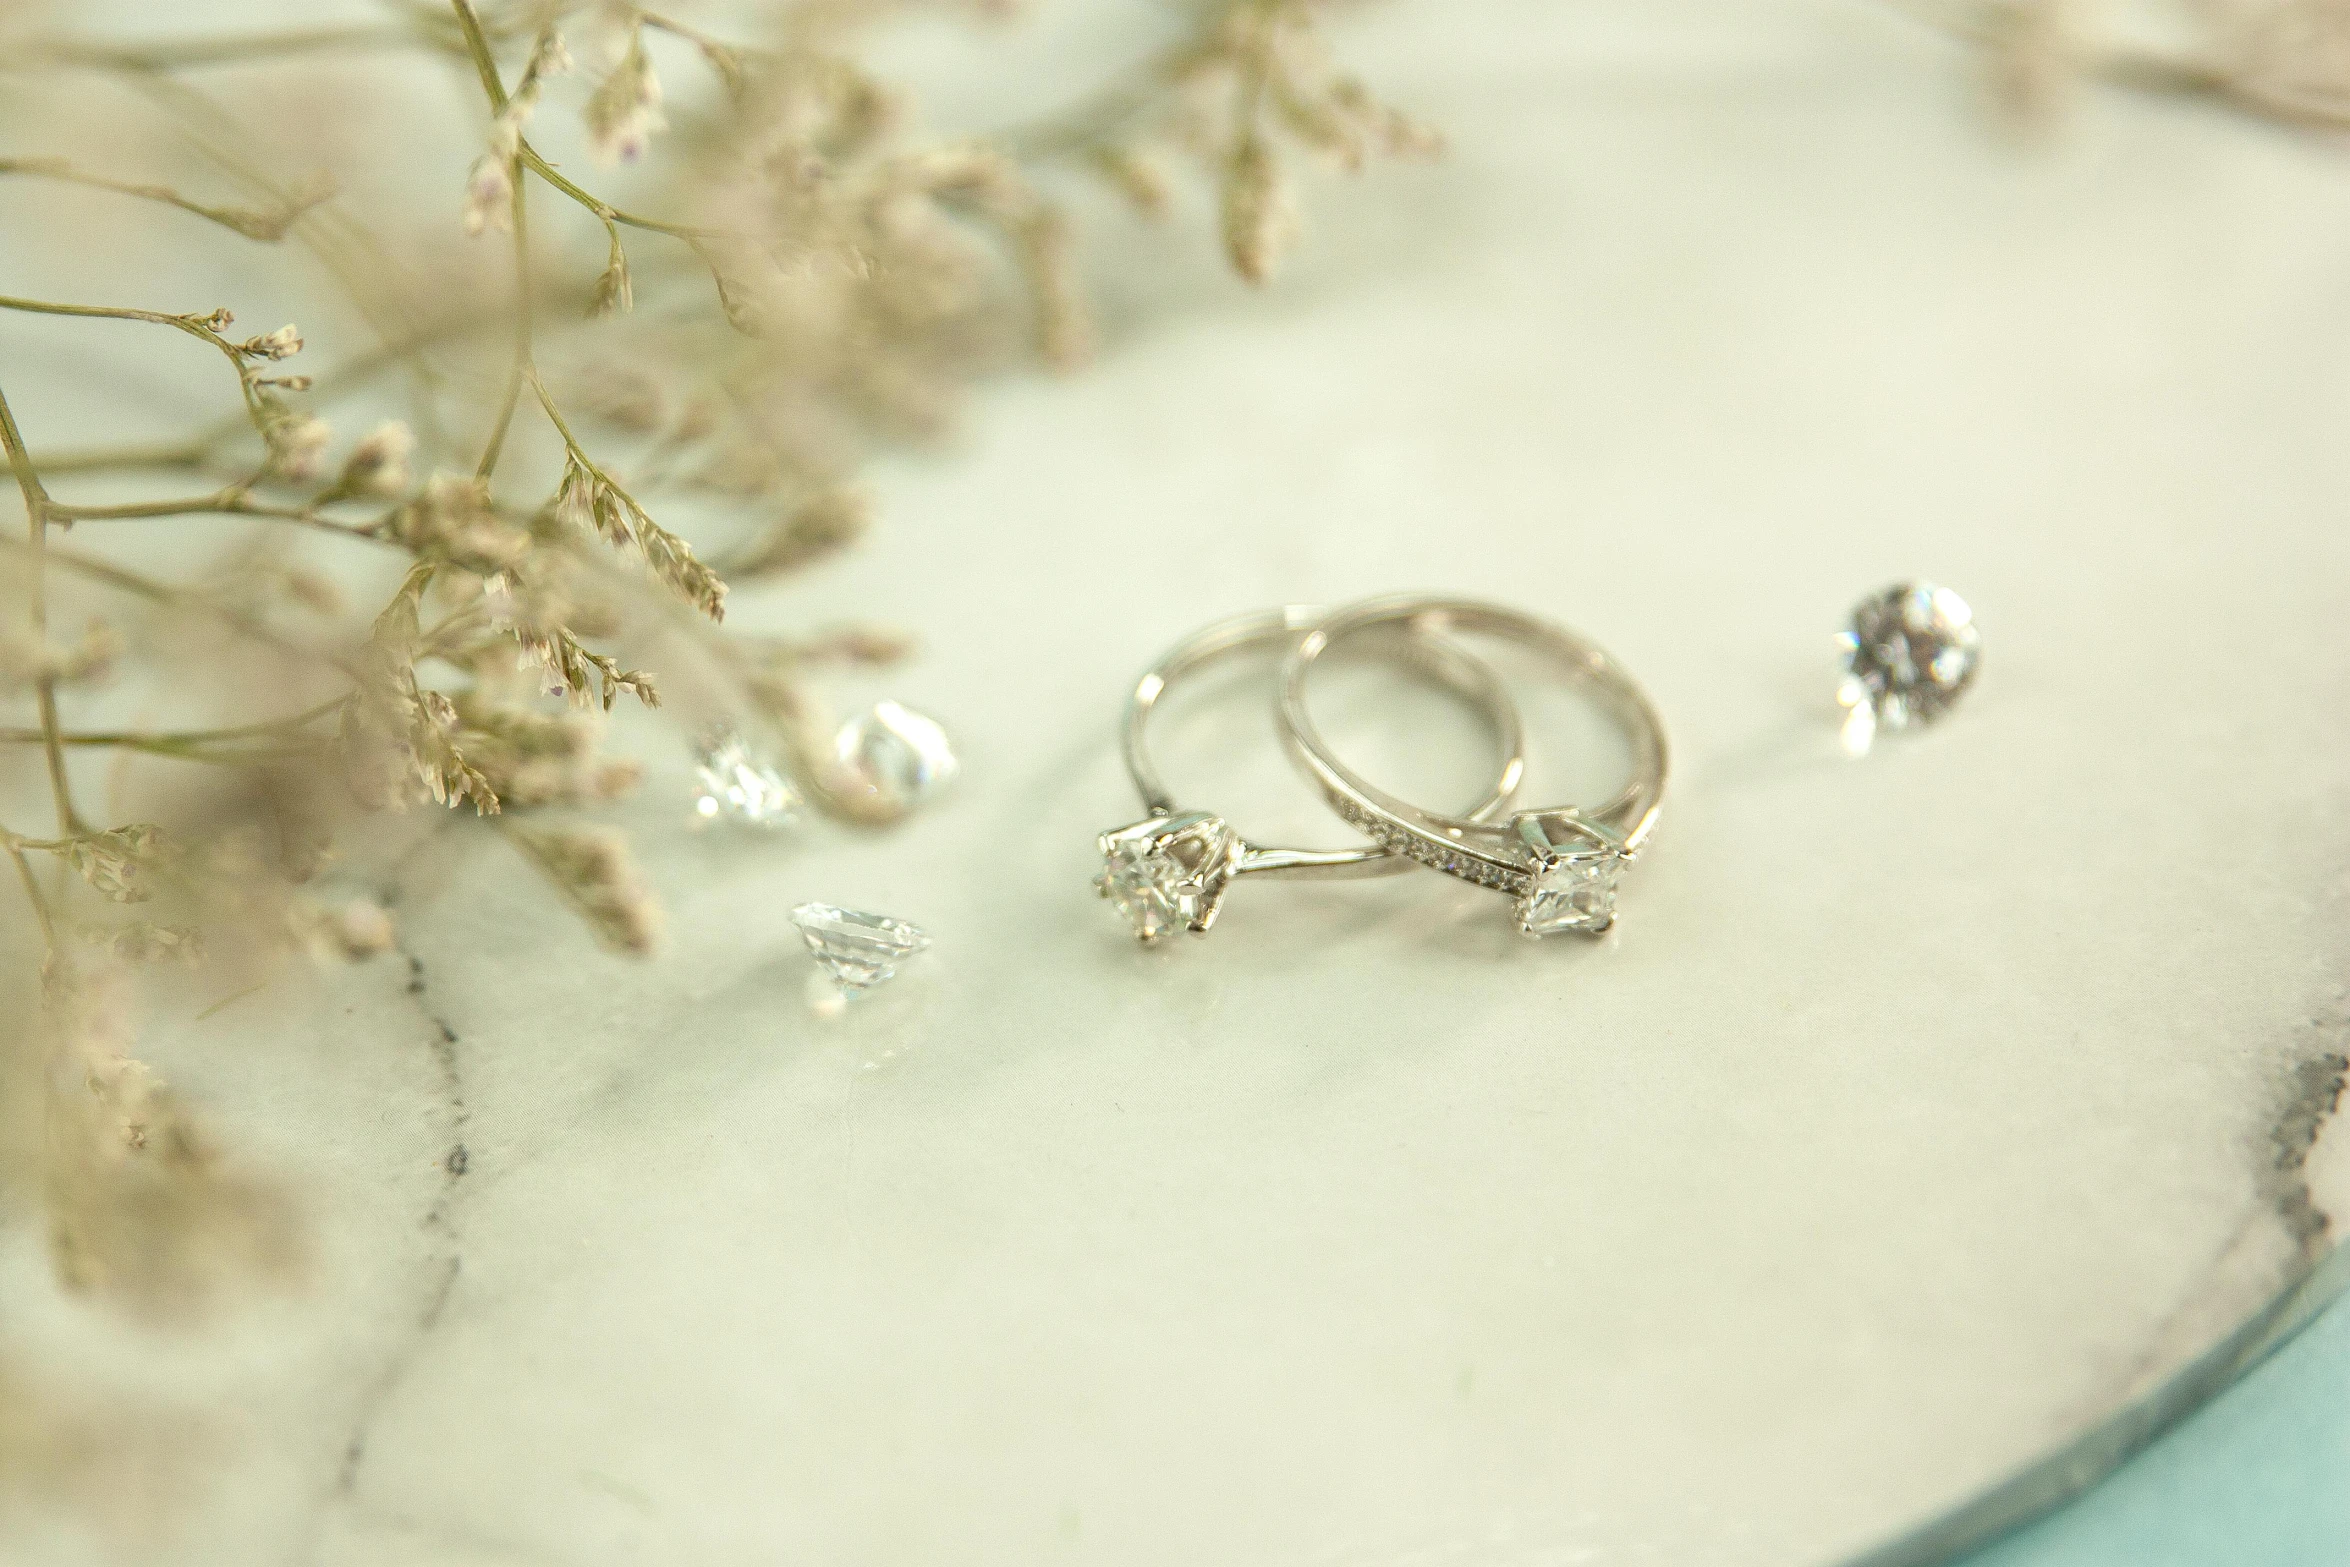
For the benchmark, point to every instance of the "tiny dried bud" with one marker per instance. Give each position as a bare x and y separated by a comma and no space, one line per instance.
575,498
297,442
613,294
220,320
823,525
617,779
506,128
593,871
489,191
1138,177
727,64
550,56
378,465
122,862
1259,221
143,942
454,521
284,343
625,110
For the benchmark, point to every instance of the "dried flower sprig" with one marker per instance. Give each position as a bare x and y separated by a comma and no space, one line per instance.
821,281
2286,60
1253,75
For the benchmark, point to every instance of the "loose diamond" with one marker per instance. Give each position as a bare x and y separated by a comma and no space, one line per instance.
1574,891
1908,654
731,783
905,756
1170,872
860,951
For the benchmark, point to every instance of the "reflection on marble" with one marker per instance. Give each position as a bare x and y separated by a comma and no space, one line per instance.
1927,1112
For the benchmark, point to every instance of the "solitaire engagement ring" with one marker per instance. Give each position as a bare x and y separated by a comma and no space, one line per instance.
1561,864
1170,870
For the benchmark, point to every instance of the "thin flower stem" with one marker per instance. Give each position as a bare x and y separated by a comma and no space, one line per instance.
175,739
609,213
1097,120
523,307
108,459
267,227
234,500
196,450
36,507
155,592
191,325
247,756
32,890
485,66
182,53
571,444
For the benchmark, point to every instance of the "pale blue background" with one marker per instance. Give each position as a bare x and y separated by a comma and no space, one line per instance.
2258,1478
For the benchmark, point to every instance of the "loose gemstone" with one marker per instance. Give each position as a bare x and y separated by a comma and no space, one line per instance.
1908,654
904,755
1574,892
1168,873
733,783
860,951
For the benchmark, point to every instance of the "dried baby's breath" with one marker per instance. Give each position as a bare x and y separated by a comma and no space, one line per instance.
378,465
2288,60
122,863
591,867
1260,217
625,111
806,279
141,1204
819,527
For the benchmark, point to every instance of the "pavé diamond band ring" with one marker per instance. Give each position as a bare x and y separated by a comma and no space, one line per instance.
1170,871
1561,863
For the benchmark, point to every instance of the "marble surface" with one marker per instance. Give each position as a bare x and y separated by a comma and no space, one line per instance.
2252,1480
1920,1117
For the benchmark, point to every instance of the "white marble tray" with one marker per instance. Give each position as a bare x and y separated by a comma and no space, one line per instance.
1920,1121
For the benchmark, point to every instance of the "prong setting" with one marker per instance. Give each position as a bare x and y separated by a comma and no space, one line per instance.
1572,887
1169,872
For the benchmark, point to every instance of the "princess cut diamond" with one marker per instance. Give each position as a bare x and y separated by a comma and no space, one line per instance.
1572,892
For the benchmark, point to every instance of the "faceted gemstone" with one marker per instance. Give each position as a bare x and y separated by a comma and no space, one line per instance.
859,950
1169,873
905,756
1572,892
735,784
1908,654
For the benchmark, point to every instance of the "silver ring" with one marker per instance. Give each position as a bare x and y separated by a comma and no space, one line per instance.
1171,870
1560,863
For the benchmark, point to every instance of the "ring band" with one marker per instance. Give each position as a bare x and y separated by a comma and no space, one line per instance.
1561,863
1171,869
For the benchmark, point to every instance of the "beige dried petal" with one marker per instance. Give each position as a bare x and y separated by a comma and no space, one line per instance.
378,465
122,863
613,296
625,110
592,869
297,443
1260,221
283,343
821,526
489,193
1139,177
